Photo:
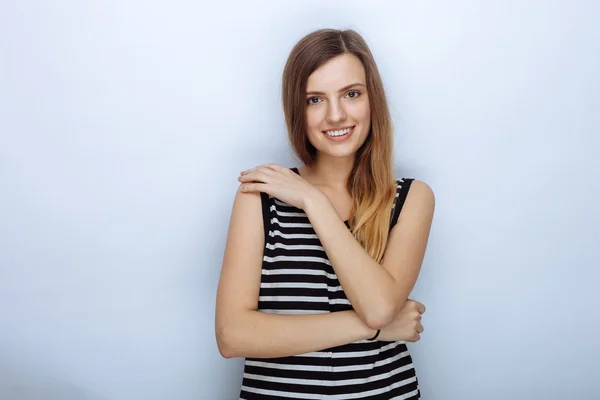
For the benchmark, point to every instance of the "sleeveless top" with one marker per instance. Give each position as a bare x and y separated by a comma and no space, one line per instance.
297,278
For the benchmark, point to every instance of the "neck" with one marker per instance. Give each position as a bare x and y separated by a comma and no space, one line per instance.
332,172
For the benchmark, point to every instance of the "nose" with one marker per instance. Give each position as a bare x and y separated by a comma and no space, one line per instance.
335,112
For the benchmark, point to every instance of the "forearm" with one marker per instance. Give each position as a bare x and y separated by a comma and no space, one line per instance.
368,285
263,335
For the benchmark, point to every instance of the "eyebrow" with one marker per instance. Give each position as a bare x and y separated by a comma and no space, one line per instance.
341,90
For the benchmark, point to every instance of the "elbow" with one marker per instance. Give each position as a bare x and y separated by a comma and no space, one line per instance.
225,350
377,322
383,315
379,318
231,336
225,343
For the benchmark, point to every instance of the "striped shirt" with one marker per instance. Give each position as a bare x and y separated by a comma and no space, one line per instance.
297,278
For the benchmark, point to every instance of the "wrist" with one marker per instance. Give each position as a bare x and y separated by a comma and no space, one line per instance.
375,335
312,199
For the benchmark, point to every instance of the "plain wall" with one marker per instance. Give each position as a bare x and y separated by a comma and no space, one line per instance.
124,125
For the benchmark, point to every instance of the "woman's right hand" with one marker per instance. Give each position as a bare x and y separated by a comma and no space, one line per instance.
407,324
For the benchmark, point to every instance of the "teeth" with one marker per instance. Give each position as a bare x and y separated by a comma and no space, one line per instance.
338,133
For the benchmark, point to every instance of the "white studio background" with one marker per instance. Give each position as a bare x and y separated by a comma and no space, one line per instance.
123,127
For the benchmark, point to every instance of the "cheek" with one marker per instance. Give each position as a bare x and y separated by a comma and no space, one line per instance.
362,115
313,119
366,106
366,113
361,112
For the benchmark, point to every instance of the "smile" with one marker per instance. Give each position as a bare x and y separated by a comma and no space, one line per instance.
337,133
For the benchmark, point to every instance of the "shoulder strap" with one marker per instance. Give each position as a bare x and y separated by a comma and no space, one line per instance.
401,193
265,201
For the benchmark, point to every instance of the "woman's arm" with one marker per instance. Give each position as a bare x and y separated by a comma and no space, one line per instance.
241,330
377,291
262,335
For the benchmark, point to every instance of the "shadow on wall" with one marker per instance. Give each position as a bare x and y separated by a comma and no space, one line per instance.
21,387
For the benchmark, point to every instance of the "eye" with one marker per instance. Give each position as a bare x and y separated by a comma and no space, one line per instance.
311,100
354,93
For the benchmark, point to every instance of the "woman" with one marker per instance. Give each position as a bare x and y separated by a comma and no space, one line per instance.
319,261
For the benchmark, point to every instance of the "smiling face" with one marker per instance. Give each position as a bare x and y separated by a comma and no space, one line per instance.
338,115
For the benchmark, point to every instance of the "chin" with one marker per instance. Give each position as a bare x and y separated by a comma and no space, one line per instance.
338,153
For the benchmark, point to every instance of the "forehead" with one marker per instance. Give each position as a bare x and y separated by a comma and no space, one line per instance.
336,73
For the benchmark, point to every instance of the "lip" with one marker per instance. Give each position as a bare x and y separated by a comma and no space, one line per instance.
340,138
339,129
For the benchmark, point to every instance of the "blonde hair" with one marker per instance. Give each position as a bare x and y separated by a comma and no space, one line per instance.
371,182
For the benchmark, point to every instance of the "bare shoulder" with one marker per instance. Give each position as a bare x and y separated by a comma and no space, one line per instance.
421,191
246,230
420,201
246,204
408,238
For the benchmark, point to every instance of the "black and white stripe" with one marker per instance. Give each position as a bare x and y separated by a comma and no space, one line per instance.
297,278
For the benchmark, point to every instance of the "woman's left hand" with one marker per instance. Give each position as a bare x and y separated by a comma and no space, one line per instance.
279,182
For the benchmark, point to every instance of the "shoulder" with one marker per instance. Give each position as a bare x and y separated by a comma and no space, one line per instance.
247,208
420,198
419,189
246,200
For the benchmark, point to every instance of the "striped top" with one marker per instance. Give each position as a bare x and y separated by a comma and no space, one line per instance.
297,278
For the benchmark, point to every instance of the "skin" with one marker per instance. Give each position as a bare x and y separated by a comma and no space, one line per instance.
332,104
378,291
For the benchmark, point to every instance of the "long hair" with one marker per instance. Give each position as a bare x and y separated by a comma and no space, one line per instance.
371,182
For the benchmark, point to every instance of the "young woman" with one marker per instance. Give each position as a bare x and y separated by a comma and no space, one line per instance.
319,260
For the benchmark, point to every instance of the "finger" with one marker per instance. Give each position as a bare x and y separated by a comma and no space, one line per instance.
254,187
270,166
276,167
421,308
255,177
415,337
267,171
247,171
420,327
262,169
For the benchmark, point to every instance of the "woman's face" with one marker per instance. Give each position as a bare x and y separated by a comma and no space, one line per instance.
338,115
